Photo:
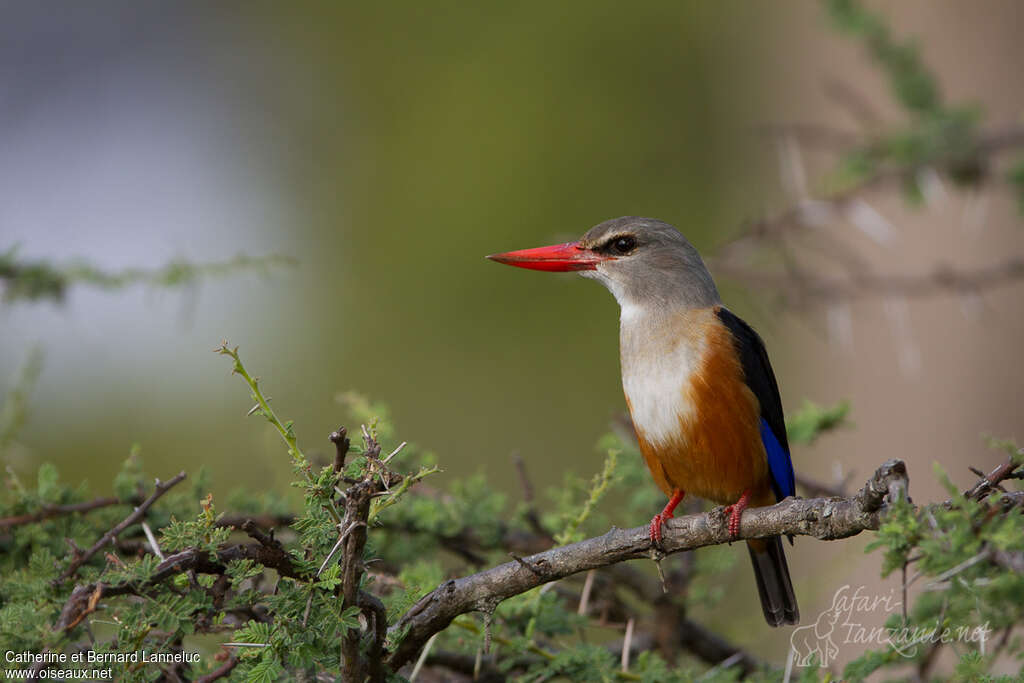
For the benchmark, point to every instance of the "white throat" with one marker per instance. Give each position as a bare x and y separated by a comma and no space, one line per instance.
659,361
660,357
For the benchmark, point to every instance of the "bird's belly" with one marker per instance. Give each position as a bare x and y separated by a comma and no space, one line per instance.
697,423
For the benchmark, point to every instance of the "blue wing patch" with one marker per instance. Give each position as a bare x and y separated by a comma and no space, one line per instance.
779,463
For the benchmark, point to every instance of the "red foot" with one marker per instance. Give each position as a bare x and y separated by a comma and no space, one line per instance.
663,516
735,511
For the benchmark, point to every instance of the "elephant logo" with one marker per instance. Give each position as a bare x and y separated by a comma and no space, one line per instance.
817,638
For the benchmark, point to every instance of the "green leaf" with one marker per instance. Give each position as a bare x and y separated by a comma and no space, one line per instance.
811,421
48,486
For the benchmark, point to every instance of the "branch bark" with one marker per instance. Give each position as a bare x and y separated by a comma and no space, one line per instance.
822,518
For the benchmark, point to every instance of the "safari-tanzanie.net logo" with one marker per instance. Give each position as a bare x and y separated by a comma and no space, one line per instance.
857,619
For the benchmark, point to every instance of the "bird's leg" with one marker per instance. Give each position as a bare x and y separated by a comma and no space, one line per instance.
665,515
735,511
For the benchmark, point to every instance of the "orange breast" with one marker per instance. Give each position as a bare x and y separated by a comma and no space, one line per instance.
718,454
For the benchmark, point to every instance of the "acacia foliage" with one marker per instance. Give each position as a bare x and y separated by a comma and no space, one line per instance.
268,574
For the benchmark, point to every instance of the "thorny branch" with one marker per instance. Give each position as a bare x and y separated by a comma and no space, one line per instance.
353,530
823,518
83,598
160,489
50,511
800,286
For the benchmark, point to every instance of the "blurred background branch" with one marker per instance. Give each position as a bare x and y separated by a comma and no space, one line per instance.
33,280
938,143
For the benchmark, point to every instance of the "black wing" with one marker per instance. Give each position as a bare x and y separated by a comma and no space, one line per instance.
757,371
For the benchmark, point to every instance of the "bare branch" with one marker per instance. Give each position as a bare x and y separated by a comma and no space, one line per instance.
823,518
83,599
987,484
222,671
49,511
341,445
160,489
941,280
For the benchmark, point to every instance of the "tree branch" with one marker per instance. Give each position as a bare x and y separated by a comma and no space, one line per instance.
823,518
160,489
84,598
49,511
940,280
220,672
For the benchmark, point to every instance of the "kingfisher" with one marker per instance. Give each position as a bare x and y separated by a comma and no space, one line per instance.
701,392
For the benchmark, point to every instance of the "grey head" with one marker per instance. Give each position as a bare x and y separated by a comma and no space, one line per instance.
648,263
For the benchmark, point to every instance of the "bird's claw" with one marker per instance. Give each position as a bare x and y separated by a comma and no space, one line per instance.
735,512
656,526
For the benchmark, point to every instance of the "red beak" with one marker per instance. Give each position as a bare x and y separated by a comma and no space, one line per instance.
556,258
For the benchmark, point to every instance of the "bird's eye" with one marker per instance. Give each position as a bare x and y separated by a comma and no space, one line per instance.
624,244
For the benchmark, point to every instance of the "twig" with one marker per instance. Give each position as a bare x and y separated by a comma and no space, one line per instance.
985,554
941,280
264,539
532,518
801,288
160,489
341,445
49,511
77,605
265,521
991,481
820,517
220,672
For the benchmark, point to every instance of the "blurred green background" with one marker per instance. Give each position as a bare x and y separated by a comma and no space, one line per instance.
387,147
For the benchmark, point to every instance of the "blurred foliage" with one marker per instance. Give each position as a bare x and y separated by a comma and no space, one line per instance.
14,410
940,136
811,421
25,280
972,551
911,82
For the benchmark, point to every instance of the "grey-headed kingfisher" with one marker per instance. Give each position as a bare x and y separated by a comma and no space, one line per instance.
700,390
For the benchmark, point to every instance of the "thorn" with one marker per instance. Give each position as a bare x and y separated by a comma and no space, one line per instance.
588,585
394,452
626,643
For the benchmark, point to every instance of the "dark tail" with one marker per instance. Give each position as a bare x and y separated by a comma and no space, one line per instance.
773,585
